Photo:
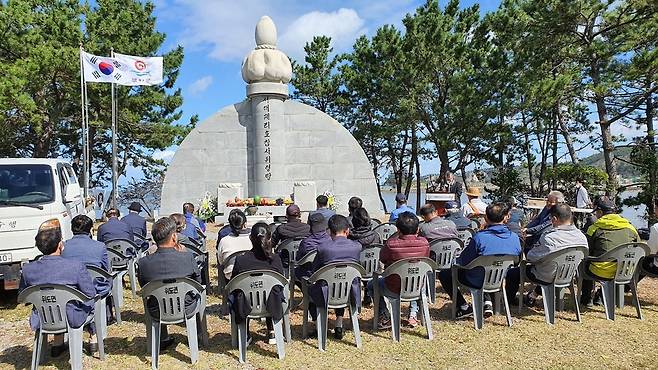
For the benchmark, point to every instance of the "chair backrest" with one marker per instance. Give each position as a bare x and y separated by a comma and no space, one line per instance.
446,251
566,261
495,267
50,301
385,231
374,223
339,277
118,260
627,257
256,286
413,273
170,295
273,227
308,258
369,259
199,255
466,235
475,223
99,273
125,246
290,246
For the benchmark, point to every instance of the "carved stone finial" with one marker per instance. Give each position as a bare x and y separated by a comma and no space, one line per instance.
265,33
266,63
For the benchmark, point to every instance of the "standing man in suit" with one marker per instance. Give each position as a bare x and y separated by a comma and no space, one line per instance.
136,222
52,268
338,249
114,228
167,263
451,185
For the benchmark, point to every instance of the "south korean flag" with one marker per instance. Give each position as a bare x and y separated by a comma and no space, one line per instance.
101,69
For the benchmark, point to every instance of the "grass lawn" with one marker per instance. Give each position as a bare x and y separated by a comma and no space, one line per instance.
529,343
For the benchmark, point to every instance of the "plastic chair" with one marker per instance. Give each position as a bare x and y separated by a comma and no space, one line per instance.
369,259
445,253
466,235
123,259
49,301
308,258
221,279
289,247
101,304
566,263
338,277
495,267
628,257
414,286
201,258
256,286
385,231
170,295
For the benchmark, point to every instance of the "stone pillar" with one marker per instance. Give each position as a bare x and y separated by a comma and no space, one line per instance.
267,71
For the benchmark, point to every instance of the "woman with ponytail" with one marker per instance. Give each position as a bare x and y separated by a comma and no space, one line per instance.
260,257
236,241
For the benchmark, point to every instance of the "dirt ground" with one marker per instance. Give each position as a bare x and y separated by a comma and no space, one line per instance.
530,343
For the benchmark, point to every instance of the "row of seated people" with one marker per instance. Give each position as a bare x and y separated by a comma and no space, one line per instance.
65,263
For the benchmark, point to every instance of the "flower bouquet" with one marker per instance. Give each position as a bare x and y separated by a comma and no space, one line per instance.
207,209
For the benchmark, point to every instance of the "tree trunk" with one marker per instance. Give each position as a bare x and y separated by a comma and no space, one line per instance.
418,190
554,149
567,137
528,153
652,171
606,134
412,161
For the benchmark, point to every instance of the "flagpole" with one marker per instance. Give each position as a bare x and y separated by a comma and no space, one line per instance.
114,145
84,126
87,145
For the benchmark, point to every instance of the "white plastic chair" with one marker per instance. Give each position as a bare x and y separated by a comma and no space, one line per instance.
445,253
101,304
385,231
123,257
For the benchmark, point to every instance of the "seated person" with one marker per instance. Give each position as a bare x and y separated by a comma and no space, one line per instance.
192,223
495,238
455,214
260,257
181,224
319,235
515,216
136,222
90,252
52,268
361,230
236,241
114,228
434,226
226,229
400,207
292,229
542,222
563,235
607,232
651,264
338,249
167,263
404,244
475,207
323,207
353,204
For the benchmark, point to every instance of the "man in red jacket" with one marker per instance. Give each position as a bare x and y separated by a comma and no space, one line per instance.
405,244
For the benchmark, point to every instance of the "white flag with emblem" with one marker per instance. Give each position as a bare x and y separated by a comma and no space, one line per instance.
123,69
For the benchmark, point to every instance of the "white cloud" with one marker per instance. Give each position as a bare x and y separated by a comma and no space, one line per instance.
200,85
343,26
165,155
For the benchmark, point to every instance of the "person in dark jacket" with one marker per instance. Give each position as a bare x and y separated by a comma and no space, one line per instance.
404,244
52,268
260,257
338,249
319,235
542,222
322,202
353,204
136,222
168,262
434,226
193,224
515,216
455,214
114,228
87,250
292,229
496,238
361,230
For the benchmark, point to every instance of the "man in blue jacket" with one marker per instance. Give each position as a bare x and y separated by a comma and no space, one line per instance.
319,235
496,238
87,250
114,228
192,223
400,207
136,222
542,222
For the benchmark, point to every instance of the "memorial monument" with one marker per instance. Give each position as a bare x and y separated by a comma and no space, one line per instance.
269,146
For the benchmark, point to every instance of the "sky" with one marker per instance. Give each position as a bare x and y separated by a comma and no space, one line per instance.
218,34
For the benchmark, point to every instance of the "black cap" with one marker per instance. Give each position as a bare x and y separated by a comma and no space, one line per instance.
318,222
135,206
400,198
605,205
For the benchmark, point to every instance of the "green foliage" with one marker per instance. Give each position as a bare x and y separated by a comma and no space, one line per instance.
508,183
644,157
565,175
40,112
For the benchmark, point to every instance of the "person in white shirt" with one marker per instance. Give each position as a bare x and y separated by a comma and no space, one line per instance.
651,264
238,240
582,197
475,207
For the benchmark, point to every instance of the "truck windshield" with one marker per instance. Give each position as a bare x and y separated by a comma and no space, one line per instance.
26,184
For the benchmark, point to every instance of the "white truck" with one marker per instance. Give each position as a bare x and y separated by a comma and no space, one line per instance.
32,191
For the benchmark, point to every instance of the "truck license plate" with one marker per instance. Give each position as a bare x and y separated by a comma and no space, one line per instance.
5,257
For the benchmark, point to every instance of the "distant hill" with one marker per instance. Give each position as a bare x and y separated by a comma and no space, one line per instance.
624,169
